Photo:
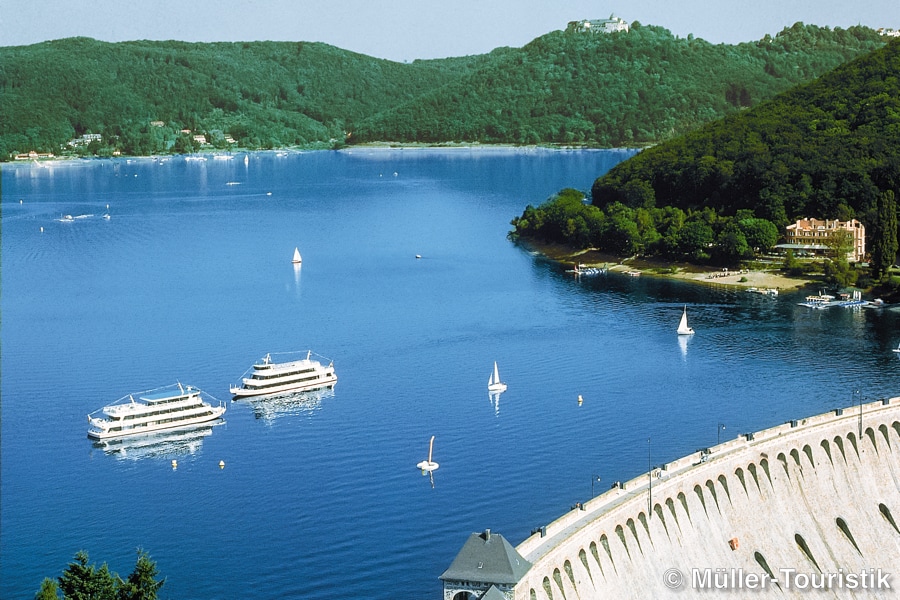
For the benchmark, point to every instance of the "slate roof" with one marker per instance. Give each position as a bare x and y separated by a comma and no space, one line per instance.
493,594
487,558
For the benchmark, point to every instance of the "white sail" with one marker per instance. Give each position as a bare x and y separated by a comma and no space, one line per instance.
494,383
683,328
297,260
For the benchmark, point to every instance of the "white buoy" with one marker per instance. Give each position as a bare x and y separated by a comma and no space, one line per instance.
42,230
221,464
428,465
174,464
268,193
580,399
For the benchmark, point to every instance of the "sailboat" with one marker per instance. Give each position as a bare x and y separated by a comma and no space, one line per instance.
297,260
897,349
428,465
683,328
494,383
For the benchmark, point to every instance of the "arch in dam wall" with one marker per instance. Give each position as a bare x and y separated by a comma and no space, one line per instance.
813,497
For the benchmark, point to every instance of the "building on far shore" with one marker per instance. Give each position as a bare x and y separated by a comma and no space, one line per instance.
610,25
813,236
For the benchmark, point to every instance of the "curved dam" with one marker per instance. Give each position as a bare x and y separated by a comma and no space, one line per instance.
806,509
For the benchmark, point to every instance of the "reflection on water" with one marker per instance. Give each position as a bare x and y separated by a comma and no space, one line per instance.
494,398
297,268
269,408
161,444
683,344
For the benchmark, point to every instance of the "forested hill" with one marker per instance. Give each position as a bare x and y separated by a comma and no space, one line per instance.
565,87
614,90
826,149
263,94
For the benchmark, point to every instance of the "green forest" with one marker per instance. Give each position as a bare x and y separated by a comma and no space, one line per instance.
566,87
826,149
82,581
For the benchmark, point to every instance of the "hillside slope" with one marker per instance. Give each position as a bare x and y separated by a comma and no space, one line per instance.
612,90
826,149
565,87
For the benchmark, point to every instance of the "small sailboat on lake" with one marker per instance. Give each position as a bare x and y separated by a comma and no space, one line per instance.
297,259
683,328
494,384
428,465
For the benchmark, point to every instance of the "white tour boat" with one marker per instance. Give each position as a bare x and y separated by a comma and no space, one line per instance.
269,378
155,410
683,328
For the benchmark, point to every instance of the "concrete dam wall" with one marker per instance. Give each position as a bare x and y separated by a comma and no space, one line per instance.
807,509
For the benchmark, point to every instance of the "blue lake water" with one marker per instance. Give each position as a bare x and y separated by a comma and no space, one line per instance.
190,280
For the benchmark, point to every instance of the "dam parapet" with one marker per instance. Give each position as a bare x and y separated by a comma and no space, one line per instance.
810,499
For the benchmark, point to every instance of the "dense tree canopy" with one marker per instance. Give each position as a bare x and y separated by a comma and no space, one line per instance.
565,87
827,149
612,90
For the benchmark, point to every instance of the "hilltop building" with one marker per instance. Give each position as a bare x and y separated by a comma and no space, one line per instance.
610,25
814,236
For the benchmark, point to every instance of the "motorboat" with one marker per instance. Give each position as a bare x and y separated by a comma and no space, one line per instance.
683,328
269,378
494,383
169,407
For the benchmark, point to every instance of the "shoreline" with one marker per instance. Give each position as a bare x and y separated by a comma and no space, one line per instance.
318,148
671,270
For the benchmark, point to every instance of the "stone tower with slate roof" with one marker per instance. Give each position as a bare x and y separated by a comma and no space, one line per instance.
486,568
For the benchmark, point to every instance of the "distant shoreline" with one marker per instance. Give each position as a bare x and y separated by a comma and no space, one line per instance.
670,270
348,148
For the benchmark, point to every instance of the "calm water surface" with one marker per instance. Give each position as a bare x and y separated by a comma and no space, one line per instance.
190,280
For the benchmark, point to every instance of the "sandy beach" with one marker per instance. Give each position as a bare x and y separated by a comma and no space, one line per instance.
766,279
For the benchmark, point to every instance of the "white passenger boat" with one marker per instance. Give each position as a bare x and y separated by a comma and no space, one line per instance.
170,407
270,378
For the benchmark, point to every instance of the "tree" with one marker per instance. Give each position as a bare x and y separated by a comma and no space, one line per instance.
639,194
838,272
142,583
791,264
840,244
760,234
884,241
81,581
695,238
731,245
49,590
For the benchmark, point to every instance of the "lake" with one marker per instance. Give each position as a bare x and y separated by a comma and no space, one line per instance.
190,280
